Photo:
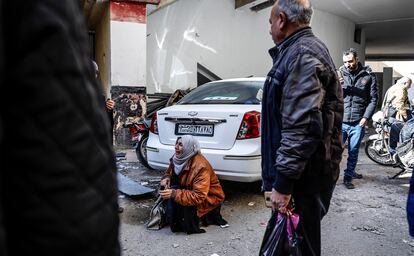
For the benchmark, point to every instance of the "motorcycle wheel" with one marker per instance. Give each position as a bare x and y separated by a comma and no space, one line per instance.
374,155
141,151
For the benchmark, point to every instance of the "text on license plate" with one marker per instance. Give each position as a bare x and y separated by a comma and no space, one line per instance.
194,129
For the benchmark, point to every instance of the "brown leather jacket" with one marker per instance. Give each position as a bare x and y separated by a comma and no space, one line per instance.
204,189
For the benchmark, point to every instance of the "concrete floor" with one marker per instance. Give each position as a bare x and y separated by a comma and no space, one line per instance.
369,220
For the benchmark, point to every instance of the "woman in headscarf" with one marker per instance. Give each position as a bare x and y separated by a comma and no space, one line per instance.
192,189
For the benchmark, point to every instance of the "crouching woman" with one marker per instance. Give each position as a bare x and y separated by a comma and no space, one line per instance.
191,189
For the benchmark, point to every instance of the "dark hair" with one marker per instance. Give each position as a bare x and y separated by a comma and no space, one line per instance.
351,51
297,11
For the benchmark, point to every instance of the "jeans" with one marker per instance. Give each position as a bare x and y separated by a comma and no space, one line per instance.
395,134
353,133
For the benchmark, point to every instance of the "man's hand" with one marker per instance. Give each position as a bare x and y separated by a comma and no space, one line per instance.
280,201
363,122
110,104
165,182
166,194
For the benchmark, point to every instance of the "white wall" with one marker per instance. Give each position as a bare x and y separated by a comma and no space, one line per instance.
338,35
229,42
128,53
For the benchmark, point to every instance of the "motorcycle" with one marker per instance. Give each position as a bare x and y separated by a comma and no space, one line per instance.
139,136
378,149
140,130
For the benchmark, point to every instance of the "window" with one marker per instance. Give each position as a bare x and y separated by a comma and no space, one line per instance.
229,92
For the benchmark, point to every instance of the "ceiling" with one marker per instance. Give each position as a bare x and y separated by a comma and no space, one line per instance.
388,25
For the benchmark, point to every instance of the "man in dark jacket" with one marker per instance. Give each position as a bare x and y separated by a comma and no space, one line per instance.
301,121
58,193
360,91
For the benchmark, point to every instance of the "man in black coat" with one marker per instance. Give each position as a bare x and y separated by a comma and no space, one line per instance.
58,188
360,91
301,121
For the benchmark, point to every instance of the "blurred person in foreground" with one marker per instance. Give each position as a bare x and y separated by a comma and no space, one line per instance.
301,121
57,179
192,189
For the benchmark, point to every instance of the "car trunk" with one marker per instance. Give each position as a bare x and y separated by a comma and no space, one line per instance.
213,127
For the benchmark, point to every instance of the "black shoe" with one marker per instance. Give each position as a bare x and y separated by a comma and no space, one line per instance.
349,185
348,182
357,175
199,231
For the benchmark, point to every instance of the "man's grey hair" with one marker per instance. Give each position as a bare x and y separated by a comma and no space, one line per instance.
350,51
297,11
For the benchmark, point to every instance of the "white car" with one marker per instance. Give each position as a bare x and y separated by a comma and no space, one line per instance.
225,118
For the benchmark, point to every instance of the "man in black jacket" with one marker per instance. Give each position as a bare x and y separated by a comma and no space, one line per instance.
360,91
58,193
301,121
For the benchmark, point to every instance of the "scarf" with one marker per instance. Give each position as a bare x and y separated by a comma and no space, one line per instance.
190,148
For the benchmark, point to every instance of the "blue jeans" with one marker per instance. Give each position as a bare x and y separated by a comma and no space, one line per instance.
353,133
395,135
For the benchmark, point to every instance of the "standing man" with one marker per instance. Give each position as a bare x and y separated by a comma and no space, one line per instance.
301,121
109,103
360,91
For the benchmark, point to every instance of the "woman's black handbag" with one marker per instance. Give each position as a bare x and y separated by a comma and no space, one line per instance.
157,215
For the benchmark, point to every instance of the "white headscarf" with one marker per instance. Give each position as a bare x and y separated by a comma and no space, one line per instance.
190,148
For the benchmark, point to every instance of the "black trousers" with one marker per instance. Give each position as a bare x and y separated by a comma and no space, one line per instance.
185,219
312,208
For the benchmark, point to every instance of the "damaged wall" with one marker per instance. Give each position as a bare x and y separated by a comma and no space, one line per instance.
225,40
128,65
229,42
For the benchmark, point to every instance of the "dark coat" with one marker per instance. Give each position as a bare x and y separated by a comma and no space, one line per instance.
301,117
360,93
57,180
410,207
204,189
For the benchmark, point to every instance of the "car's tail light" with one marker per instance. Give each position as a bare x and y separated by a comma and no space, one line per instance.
154,124
133,130
250,126
141,128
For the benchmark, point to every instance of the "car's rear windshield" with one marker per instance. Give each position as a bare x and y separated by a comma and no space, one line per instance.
229,92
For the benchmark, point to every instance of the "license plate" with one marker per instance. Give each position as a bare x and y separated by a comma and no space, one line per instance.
195,129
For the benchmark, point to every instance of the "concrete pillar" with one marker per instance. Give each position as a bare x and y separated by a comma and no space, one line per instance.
387,81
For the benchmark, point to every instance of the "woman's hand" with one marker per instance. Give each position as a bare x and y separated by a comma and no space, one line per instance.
166,193
165,183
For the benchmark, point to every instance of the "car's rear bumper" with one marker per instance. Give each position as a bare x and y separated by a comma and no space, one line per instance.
240,163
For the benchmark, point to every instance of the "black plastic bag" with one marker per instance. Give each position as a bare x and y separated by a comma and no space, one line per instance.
294,238
280,237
